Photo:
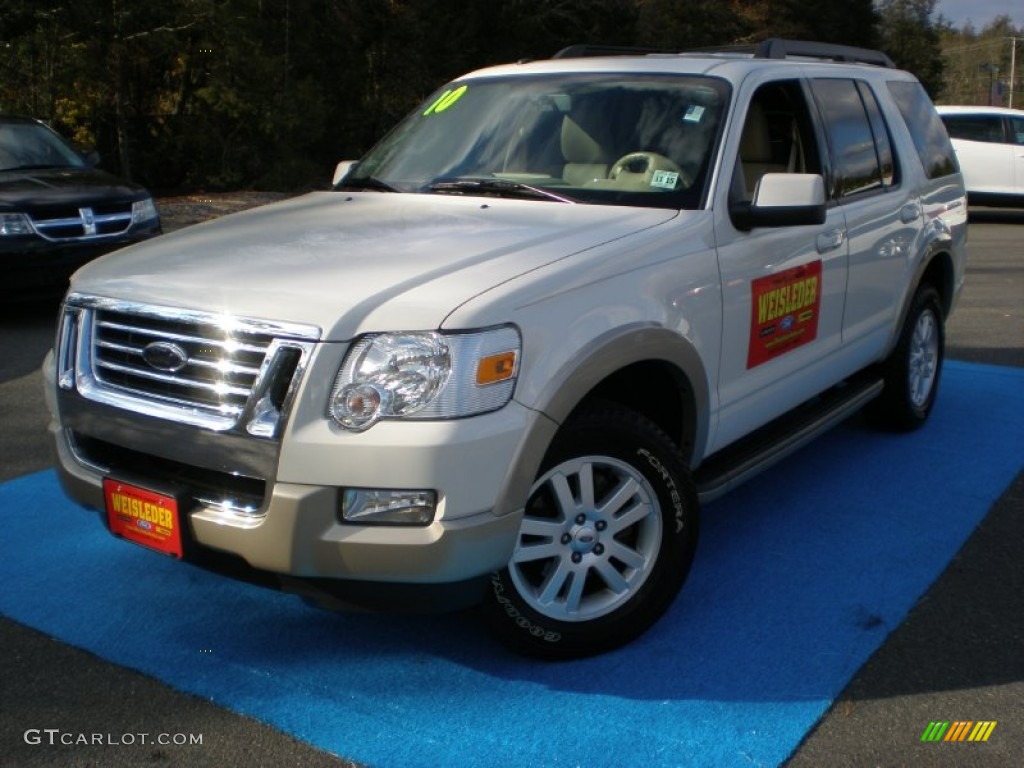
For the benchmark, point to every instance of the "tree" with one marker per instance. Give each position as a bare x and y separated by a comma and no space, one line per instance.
852,22
981,66
911,38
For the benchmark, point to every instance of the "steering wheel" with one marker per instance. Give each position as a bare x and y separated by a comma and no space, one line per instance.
644,165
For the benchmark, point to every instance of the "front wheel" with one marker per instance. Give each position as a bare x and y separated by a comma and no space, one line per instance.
912,371
606,542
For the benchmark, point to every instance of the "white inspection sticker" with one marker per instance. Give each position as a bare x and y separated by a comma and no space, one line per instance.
665,179
694,113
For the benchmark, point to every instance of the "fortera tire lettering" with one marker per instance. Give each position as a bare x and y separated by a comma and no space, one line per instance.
666,476
520,620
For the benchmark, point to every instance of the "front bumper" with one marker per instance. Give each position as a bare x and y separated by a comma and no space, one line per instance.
291,529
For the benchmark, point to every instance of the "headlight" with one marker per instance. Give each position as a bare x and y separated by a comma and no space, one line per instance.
14,224
425,375
143,210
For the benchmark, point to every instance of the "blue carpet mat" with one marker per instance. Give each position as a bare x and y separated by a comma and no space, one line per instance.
800,576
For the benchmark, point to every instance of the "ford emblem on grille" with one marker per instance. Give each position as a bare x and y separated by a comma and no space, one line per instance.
165,356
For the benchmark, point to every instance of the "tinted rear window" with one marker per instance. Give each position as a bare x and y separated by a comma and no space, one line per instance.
926,129
987,128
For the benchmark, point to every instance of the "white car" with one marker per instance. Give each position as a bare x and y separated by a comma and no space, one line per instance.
989,143
503,360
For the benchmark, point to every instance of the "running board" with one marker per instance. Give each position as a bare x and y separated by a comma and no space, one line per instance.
747,457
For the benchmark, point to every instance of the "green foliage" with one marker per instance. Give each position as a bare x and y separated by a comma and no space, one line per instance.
911,37
981,67
206,94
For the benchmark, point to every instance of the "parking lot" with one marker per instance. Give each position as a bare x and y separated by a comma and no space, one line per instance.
957,656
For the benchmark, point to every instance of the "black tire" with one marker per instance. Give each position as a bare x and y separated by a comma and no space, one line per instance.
912,370
607,540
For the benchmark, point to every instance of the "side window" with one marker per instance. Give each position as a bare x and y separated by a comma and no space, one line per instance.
778,137
855,158
883,143
988,128
1017,130
926,129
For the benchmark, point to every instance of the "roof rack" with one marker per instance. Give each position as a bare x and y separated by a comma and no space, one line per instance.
585,50
778,48
772,48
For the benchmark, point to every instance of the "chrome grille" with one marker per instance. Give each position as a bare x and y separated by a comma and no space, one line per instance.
220,372
219,368
84,223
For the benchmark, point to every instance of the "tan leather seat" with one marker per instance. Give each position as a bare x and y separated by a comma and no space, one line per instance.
585,160
756,154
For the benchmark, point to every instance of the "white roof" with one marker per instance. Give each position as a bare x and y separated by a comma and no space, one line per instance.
952,109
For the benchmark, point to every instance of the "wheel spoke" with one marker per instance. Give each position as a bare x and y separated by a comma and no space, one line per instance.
586,480
630,517
628,557
563,494
626,490
575,595
553,584
616,581
531,552
535,526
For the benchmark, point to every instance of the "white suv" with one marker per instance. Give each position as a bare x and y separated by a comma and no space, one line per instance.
989,145
503,360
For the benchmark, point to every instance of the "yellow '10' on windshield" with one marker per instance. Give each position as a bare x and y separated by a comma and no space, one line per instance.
445,100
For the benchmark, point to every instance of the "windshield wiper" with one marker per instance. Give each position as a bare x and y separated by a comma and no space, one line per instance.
367,183
497,188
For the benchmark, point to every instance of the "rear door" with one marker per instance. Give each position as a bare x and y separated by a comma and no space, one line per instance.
883,214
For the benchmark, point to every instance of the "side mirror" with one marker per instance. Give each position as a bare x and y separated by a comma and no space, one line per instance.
341,171
92,157
782,200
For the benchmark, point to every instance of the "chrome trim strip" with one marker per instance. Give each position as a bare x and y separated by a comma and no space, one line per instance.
167,378
225,345
227,322
225,367
222,366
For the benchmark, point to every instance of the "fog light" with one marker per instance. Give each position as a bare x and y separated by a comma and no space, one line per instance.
371,506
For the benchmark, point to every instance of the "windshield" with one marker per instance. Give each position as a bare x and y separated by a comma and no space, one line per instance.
25,146
619,139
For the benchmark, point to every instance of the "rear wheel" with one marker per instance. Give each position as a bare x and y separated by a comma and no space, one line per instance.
912,370
606,541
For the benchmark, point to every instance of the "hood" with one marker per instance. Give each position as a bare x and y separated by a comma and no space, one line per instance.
56,187
351,263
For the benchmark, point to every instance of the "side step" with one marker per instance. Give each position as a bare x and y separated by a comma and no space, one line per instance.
777,439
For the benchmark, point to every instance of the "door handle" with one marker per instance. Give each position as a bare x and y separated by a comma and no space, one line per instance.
829,241
910,213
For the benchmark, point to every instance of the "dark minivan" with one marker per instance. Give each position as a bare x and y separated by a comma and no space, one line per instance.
58,211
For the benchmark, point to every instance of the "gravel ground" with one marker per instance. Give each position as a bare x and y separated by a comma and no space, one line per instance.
181,211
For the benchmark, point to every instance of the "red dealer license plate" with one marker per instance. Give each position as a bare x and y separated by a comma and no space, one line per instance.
145,517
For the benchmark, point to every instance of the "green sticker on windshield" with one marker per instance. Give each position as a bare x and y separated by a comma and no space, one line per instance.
445,100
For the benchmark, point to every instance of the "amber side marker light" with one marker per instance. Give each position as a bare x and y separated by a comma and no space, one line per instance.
495,368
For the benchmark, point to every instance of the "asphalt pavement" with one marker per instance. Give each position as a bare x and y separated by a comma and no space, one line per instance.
958,656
